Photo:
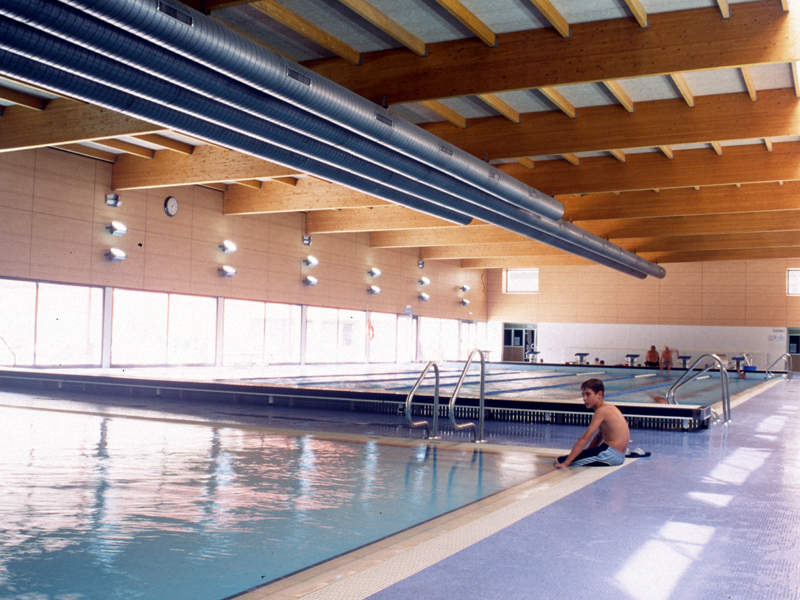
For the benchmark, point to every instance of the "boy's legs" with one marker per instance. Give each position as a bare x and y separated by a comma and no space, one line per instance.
602,456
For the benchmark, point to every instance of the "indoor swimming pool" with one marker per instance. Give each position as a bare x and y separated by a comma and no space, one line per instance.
104,506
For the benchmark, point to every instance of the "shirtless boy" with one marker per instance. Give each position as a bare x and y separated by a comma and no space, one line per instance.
608,433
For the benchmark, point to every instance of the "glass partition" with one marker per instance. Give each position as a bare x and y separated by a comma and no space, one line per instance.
17,322
383,338
192,331
139,328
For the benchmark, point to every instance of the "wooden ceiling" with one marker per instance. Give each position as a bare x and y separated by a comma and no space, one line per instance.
673,134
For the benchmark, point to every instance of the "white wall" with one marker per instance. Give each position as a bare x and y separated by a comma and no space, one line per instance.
558,342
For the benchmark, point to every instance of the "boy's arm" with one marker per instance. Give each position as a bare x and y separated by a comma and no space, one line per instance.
594,427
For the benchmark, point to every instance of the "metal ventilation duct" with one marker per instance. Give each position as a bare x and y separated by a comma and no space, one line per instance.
213,119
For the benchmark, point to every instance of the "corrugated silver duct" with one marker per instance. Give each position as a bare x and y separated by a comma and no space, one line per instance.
191,34
35,73
115,76
111,43
341,144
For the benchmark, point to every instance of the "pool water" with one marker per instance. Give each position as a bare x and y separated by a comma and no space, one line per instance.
98,507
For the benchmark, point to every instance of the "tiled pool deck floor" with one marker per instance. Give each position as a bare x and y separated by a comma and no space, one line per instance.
711,514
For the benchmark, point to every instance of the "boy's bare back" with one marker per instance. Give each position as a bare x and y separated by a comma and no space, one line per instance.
613,426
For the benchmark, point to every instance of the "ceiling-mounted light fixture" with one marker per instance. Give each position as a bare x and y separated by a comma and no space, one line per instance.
421,264
116,255
464,288
310,281
227,271
117,228
374,272
464,302
113,200
228,247
424,281
311,261
424,297
374,289
306,240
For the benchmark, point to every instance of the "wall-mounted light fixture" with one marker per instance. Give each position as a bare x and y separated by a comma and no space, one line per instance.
116,255
464,302
421,264
374,272
113,200
310,281
306,240
374,290
464,288
228,247
117,228
227,271
311,261
424,297
424,281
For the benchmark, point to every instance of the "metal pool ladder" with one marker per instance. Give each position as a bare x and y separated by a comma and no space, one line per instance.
476,430
788,366
431,430
689,375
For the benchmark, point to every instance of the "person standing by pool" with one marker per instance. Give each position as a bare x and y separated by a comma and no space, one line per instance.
607,435
651,359
666,360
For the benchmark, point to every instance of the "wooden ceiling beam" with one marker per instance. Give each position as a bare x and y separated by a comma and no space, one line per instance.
683,88
696,243
654,124
308,30
555,18
366,11
24,100
621,95
379,218
307,195
470,21
649,170
167,143
65,122
474,233
502,107
680,41
638,12
208,164
682,201
446,113
781,220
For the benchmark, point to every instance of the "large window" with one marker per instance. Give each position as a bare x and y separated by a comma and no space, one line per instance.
383,338
243,333
192,334
17,322
69,325
406,339
335,336
438,339
793,282
139,328
522,281
282,333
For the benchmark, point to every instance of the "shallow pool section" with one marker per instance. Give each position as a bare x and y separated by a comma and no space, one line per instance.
100,507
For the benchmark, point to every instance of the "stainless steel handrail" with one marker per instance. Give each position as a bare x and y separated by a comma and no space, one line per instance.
431,431
788,358
689,375
477,430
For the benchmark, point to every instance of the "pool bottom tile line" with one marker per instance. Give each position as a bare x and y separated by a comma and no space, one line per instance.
368,570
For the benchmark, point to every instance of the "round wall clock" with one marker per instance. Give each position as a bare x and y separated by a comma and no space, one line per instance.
171,206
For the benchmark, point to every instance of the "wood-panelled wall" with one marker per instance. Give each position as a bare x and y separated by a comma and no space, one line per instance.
735,293
53,227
